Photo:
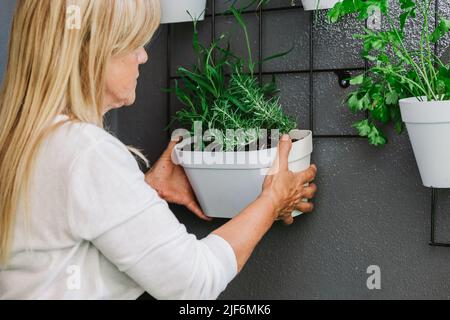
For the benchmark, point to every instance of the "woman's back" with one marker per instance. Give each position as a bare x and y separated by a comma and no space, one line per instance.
95,225
48,261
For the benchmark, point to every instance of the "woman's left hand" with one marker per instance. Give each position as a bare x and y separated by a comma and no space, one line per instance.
171,183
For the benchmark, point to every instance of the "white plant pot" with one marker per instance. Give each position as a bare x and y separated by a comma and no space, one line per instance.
318,4
173,11
225,183
428,125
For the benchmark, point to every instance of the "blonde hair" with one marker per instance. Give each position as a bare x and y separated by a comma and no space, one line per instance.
54,69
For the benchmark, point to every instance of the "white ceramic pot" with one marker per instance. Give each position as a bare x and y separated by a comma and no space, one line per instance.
173,11
318,4
225,183
428,125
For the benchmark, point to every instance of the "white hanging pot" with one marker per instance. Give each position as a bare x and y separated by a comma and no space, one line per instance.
173,11
428,125
318,4
225,183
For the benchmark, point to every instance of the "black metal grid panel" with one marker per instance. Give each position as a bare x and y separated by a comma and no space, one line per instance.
311,72
433,241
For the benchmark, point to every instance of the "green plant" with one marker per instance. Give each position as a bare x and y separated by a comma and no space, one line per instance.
222,91
395,71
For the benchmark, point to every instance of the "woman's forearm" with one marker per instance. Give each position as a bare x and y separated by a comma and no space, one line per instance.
245,230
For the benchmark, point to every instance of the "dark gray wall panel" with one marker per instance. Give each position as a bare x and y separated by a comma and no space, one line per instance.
275,41
334,46
443,215
331,114
283,4
369,211
223,5
294,96
6,12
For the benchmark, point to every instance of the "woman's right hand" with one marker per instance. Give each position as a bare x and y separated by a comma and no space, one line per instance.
286,190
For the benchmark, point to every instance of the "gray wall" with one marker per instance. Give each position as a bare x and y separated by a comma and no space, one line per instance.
371,208
6,10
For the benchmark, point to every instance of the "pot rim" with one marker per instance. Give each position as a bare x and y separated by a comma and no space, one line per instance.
424,112
415,100
167,18
300,149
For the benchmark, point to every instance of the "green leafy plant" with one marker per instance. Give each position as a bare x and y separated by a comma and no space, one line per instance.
222,91
395,71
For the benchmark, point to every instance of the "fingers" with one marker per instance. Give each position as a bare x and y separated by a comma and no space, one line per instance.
173,142
288,220
308,175
281,160
194,207
305,207
310,191
284,147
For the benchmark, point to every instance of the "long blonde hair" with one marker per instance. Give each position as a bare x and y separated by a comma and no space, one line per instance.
52,69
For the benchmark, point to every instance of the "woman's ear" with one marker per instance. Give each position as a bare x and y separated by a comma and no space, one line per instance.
142,56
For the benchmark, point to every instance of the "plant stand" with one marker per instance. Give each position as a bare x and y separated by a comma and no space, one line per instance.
433,242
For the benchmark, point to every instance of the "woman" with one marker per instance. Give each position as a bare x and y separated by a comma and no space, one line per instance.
78,218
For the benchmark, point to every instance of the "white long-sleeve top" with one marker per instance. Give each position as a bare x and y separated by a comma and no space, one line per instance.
97,230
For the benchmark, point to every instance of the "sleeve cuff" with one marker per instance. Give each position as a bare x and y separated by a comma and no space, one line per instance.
224,253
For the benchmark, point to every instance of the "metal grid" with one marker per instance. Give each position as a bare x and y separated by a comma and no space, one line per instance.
433,241
311,72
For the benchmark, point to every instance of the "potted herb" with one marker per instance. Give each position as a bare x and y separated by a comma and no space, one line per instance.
226,165
174,11
404,85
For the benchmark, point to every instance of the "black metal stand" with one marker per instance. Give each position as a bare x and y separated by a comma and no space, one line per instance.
433,241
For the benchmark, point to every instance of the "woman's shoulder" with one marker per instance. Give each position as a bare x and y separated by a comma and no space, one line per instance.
71,139
82,133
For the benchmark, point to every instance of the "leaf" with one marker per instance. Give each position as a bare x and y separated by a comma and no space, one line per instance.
409,10
335,13
270,89
195,40
198,79
392,97
371,58
367,129
277,55
354,103
381,113
363,127
397,119
407,4
365,102
399,126
357,80
442,28
376,137
403,18
377,44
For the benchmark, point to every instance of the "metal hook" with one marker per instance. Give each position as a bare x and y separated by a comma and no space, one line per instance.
343,78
